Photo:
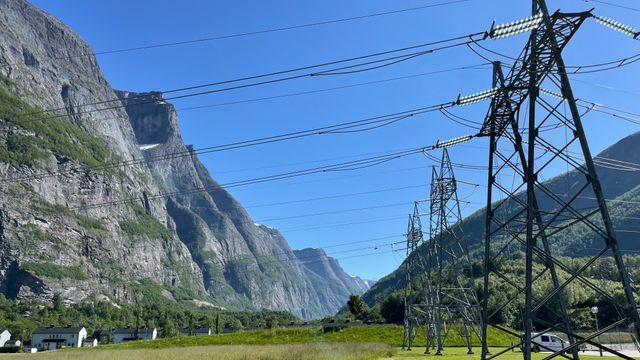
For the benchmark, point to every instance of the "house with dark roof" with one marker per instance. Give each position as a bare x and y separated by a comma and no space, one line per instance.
53,337
130,333
200,331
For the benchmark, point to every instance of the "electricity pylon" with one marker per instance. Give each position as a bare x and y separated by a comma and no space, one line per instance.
527,216
453,298
412,263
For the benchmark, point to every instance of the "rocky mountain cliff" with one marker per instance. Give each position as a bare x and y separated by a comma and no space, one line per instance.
73,223
621,188
321,268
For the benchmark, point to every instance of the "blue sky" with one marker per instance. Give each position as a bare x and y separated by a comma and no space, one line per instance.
108,25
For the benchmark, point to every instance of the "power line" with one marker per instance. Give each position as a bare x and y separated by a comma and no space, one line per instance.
344,166
332,212
470,67
389,60
351,126
344,257
579,69
612,4
343,224
323,258
323,180
341,211
337,196
288,254
615,109
265,31
607,87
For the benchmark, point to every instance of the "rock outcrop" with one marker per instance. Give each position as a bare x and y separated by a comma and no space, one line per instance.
73,223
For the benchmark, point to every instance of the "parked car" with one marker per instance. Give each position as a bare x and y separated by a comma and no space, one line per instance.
550,342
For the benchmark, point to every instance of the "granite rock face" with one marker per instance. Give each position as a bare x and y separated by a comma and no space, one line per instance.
73,223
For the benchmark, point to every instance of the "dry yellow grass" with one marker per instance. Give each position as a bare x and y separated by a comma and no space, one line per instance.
342,351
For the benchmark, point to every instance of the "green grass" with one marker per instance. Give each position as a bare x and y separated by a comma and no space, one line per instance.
288,352
390,335
51,270
461,354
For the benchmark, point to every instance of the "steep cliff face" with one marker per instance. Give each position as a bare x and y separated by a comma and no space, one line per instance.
72,222
320,266
242,263
46,230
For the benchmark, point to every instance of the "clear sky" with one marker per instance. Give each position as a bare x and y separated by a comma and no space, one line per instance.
108,25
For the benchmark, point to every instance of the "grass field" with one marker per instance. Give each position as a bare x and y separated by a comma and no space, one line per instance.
389,335
342,351
353,343
461,354
316,351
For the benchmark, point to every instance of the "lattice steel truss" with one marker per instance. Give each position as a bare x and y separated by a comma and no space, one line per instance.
532,136
413,309
453,299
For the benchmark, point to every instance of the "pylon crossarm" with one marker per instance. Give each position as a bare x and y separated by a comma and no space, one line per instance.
517,84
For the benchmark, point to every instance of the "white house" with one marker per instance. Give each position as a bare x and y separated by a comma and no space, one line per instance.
201,331
52,337
4,337
90,342
129,333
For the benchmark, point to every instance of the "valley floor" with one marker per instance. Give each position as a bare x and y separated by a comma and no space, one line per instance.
352,343
461,354
318,351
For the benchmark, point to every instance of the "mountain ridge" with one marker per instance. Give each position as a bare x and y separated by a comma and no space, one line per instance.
198,245
623,199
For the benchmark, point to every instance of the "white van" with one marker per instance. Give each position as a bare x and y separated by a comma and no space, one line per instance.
550,342
547,342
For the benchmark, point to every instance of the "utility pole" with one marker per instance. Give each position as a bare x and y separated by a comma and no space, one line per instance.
525,214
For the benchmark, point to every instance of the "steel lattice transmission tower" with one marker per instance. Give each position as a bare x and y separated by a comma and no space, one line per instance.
535,130
413,264
452,296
